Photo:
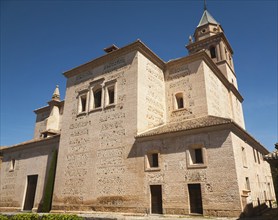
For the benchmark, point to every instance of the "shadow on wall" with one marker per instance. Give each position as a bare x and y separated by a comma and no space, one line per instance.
256,212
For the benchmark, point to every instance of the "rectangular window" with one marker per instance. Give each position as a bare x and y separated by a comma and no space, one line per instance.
97,98
196,156
254,153
82,107
179,104
12,165
111,95
258,157
199,156
152,161
247,183
243,154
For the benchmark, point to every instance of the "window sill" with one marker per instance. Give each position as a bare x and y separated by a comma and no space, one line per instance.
196,166
178,110
95,109
245,192
11,170
152,169
110,106
81,113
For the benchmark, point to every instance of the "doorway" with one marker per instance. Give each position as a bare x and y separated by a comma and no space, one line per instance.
30,192
156,199
195,198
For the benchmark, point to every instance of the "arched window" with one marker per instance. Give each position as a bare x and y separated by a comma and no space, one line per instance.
179,100
212,52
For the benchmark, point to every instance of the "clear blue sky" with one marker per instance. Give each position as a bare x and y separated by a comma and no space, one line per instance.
42,39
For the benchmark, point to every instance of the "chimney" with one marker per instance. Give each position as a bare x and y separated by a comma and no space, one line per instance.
110,48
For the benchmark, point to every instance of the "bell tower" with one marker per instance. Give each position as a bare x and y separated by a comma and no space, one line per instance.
209,36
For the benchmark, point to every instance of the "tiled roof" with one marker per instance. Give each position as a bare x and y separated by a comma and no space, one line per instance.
187,125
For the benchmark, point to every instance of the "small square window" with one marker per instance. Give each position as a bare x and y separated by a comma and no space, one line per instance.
152,161
196,156
179,102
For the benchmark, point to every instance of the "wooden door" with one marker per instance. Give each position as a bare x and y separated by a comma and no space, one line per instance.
30,192
156,199
195,197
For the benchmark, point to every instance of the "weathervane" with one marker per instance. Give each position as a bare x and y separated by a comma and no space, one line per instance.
205,5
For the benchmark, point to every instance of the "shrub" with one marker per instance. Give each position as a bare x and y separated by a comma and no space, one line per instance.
50,184
60,217
25,216
3,217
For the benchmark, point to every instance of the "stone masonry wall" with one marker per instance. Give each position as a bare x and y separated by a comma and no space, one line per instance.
93,172
41,121
220,101
188,79
250,164
218,177
151,95
30,159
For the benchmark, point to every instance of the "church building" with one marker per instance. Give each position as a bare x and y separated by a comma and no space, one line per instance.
136,134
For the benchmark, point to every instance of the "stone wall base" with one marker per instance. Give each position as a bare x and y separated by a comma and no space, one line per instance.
142,210
10,209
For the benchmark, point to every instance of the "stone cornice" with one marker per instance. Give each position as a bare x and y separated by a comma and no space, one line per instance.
211,38
42,109
136,46
47,108
227,124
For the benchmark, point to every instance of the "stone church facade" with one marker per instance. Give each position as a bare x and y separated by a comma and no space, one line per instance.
136,134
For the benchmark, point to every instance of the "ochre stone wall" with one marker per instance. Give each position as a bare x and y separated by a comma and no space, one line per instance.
30,159
93,172
188,79
218,179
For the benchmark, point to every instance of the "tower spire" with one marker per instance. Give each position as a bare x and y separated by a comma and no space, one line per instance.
56,94
205,5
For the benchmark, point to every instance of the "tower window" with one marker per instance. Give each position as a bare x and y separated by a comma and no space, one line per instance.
212,52
12,165
82,103
179,101
97,98
110,95
83,100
